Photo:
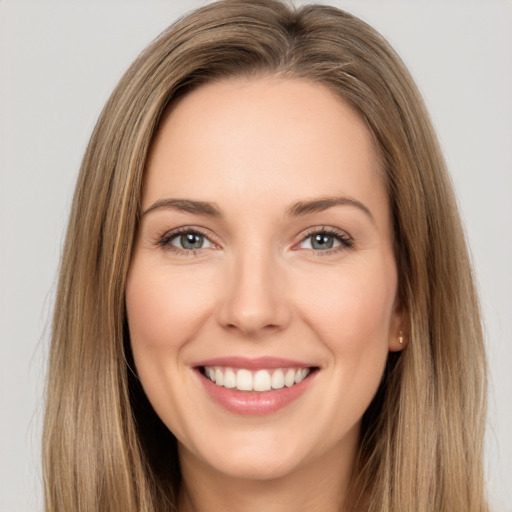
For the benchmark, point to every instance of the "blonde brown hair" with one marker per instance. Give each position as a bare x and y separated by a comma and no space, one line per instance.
104,447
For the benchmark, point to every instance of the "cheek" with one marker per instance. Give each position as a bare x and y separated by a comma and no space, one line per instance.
352,307
164,308
352,312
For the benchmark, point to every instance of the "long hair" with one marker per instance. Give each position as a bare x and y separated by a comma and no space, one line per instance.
104,448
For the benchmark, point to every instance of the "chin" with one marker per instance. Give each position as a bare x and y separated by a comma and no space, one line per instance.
256,455
272,466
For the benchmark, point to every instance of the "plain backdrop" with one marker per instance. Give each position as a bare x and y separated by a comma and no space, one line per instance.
58,63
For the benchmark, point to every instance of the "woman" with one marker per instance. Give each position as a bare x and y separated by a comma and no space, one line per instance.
265,299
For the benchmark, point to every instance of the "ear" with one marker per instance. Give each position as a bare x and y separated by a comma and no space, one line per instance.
399,328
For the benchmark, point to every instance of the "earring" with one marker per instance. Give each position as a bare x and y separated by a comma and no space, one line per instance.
401,338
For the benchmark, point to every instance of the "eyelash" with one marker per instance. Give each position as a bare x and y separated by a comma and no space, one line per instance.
346,242
166,239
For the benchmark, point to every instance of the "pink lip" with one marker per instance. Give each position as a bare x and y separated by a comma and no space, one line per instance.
253,403
258,363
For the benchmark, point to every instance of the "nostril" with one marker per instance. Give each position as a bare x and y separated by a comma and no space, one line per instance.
253,304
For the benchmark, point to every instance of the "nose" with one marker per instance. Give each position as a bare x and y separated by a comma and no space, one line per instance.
254,301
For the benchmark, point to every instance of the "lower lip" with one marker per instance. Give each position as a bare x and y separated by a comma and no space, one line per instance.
255,403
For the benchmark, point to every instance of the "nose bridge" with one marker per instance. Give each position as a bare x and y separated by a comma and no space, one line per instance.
255,300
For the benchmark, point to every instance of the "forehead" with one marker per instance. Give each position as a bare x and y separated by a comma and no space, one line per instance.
266,137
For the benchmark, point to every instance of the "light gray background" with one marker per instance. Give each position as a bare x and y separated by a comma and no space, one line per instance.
60,60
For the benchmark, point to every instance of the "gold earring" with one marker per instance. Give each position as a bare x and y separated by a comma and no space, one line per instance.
401,338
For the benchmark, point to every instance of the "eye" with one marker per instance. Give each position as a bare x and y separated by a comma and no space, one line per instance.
189,241
320,242
326,240
185,241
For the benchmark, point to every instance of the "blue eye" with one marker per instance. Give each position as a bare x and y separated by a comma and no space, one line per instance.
189,241
185,241
324,240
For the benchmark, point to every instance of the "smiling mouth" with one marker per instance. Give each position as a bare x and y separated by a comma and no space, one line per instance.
242,379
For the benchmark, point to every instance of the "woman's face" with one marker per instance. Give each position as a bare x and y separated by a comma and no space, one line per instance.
263,261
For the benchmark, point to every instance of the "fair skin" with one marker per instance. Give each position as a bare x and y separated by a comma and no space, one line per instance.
291,260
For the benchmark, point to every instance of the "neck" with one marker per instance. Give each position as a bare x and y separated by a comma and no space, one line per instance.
319,486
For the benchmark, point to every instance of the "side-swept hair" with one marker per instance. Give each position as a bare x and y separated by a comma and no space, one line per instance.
104,448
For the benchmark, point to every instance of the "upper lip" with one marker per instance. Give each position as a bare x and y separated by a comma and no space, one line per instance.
258,363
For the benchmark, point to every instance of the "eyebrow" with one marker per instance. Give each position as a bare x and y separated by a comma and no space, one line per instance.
297,209
186,205
324,203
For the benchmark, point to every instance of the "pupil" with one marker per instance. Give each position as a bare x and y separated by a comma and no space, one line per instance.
191,241
322,241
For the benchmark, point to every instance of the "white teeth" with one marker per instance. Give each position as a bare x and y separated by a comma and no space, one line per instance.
229,379
261,380
289,378
244,380
278,379
301,375
219,377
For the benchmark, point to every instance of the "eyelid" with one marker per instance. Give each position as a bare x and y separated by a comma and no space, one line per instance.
164,239
346,241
